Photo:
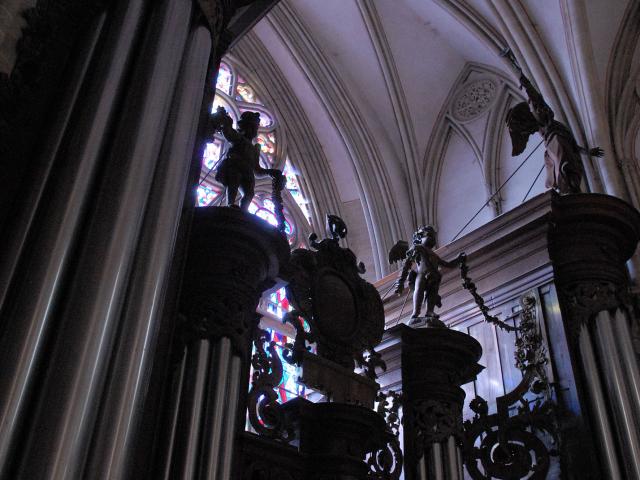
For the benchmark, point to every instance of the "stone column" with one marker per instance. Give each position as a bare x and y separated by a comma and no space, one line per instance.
48,262
436,361
88,324
233,257
591,238
126,391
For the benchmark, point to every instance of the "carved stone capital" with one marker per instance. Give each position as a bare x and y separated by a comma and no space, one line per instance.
590,240
435,421
233,257
584,300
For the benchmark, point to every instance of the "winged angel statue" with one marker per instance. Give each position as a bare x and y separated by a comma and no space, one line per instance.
426,277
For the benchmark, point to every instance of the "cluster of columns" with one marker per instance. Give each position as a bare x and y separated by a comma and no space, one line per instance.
87,263
592,237
436,361
233,257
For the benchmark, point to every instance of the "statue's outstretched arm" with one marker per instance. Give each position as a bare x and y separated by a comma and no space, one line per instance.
536,98
228,131
592,152
453,263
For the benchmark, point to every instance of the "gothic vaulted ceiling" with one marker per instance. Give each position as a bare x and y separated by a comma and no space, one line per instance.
406,99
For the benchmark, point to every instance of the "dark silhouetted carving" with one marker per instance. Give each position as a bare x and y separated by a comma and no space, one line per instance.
241,162
345,311
428,276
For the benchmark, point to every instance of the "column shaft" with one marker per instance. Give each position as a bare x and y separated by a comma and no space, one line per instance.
22,347
126,391
177,393
598,404
619,398
90,321
194,402
216,410
231,419
40,169
629,359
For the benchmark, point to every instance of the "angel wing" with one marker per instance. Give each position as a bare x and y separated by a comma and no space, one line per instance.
399,251
521,124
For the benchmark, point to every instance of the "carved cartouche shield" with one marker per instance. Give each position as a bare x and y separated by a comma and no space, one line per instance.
344,310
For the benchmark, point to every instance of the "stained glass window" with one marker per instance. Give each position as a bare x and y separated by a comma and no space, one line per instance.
225,78
265,209
278,305
293,185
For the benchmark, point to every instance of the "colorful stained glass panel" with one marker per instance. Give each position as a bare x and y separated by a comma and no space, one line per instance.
206,195
225,78
212,153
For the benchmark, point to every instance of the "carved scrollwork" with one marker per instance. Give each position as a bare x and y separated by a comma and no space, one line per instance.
386,463
265,413
214,317
585,299
509,447
435,421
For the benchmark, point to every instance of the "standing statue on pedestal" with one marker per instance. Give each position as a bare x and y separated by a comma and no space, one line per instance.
562,156
241,163
427,276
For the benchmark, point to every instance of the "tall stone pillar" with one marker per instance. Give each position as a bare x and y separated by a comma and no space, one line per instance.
591,238
233,257
436,361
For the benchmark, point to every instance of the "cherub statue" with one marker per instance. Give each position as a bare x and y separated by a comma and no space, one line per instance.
562,155
241,162
427,274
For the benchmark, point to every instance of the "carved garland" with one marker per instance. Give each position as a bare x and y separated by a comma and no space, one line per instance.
507,447
468,284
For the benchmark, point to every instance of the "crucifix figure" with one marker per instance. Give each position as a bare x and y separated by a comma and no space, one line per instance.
562,155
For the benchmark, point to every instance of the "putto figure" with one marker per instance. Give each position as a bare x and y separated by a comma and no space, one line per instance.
562,156
241,162
427,273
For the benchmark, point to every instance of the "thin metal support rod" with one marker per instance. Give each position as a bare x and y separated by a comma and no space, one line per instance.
534,182
402,308
388,290
498,190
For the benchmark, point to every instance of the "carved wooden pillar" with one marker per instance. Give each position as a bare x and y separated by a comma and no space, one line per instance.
591,238
232,258
436,361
